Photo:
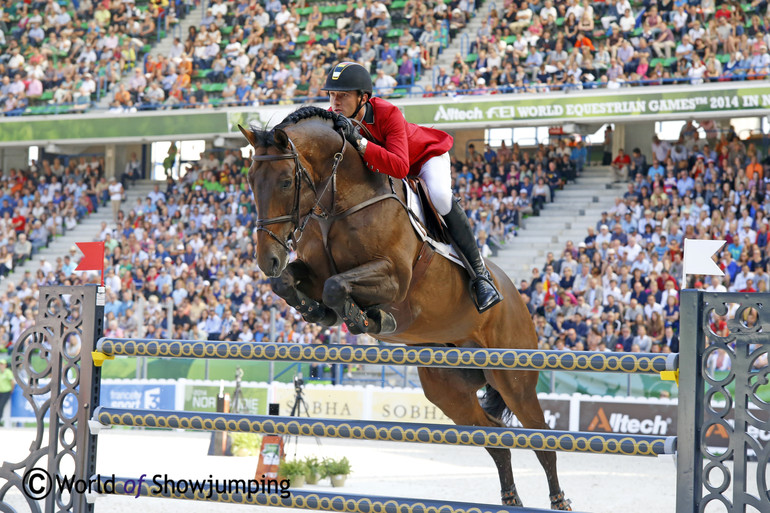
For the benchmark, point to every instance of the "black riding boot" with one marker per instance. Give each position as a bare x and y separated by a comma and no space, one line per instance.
483,291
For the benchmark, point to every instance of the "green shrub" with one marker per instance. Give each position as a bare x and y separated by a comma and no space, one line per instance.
291,469
334,467
248,443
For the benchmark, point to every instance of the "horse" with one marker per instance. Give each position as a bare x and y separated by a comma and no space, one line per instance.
359,261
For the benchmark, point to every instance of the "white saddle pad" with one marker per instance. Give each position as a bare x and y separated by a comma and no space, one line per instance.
418,222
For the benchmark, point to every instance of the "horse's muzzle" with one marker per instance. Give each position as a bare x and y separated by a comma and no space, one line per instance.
273,269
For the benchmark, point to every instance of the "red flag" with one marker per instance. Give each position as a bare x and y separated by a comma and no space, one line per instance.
93,257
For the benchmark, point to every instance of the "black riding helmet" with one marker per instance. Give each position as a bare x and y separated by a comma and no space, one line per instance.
349,76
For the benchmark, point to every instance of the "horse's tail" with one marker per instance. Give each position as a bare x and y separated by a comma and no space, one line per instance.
495,406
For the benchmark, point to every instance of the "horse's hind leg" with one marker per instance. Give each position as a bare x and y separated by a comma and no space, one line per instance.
454,392
518,391
293,286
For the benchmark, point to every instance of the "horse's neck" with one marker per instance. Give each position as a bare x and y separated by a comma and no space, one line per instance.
355,183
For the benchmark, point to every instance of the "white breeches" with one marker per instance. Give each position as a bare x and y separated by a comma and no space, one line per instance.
437,175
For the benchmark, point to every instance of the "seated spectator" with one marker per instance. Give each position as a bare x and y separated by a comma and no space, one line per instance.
22,250
621,166
384,84
406,72
523,204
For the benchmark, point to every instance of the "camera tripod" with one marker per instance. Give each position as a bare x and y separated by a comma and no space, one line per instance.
299,403
298,406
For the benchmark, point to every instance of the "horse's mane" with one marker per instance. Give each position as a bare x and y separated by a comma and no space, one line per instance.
308,112
267,137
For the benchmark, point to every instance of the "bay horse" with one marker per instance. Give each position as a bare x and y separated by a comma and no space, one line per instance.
356,260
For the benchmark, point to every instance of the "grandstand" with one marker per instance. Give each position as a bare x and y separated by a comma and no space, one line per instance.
63,57
541,97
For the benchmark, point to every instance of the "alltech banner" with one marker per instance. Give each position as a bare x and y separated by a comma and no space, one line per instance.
628,418
717,435
556,412
653,419
622,103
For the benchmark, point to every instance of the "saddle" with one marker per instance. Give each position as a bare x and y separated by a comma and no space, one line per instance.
434,223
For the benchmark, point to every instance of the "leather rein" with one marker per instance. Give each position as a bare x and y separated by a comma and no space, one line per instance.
324,217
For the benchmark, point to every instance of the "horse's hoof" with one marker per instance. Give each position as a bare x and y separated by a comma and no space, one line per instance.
511,497
383,323
558,502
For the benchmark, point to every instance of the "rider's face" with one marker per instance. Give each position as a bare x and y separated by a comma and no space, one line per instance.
344,102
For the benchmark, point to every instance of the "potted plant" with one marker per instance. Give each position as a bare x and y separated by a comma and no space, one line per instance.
294,471
337,470
245,444
314,470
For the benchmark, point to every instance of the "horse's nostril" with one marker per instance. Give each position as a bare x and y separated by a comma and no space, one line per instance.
274,265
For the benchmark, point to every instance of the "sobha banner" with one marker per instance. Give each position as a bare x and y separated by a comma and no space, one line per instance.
623,103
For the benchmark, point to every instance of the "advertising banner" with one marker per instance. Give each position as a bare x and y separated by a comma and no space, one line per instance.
718,435
151,126
324,403
405,406
149,396
556,412
204,398
21,409
628,418
623,103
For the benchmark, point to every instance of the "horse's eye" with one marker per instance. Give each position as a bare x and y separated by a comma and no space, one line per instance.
286,184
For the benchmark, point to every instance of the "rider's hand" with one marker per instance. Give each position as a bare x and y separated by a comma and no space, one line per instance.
349,131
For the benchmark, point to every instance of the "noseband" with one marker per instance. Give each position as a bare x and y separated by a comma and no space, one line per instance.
298,221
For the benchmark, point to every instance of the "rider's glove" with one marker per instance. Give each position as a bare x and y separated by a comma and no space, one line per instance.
350,133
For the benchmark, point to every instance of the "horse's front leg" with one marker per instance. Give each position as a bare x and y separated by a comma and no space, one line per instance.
293,285
373,283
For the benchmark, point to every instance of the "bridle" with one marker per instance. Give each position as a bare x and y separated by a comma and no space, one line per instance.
323,216
301,174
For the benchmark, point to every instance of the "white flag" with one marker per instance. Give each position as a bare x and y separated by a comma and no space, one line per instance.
697,257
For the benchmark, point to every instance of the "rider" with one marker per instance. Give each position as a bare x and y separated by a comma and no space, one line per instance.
408,149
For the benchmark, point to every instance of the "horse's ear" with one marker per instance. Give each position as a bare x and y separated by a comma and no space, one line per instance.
249,135
280,138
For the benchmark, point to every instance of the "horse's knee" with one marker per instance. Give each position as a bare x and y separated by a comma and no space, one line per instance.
280,285
283,286
335,292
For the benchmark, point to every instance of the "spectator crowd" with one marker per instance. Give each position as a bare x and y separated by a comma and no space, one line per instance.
69,53
618,289
241,52
543,45
252,53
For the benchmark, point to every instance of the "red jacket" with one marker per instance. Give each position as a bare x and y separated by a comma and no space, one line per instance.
406,146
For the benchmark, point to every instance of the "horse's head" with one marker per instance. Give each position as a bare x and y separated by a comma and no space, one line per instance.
284,178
